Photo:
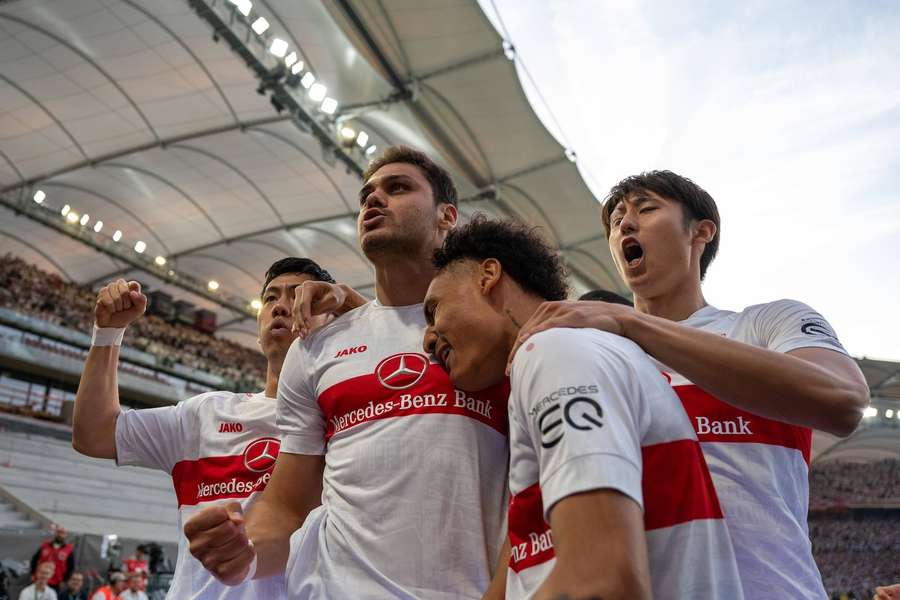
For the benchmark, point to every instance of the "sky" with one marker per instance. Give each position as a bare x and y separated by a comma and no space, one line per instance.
787,113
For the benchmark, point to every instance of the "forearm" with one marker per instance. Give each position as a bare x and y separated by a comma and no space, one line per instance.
767,383
97,404
270,524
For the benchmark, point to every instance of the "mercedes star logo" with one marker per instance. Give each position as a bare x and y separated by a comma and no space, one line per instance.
260,455
401,371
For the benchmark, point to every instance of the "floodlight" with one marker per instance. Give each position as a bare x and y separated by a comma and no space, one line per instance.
362,138
65,210
347,132
117,236
278,47
290,59
317,92
371,150
298,66
85,218
213,285
260,25
160,260
139,247
39,196
889,413
98,226
256,304
307,80
244,6
329,106
72,217
870,411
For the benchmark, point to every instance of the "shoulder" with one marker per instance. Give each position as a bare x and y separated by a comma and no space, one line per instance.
568,345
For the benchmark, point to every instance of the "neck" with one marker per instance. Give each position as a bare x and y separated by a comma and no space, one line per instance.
675,305
40,585
518,309
272,372
401,281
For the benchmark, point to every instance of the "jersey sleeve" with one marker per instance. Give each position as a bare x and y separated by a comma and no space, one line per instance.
154,437
581,412
298,416
786,325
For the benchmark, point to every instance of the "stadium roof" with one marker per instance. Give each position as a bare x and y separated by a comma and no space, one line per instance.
136,114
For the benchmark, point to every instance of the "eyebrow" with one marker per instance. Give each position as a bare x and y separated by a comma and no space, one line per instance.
387,180
637,199
272,288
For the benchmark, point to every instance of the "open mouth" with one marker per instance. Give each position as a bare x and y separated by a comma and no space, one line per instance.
632,252
280,326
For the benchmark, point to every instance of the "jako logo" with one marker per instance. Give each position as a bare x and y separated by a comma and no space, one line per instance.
230,428
349,351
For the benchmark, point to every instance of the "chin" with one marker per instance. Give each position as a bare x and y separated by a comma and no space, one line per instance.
469,381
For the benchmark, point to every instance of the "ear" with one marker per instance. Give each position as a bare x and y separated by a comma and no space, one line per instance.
448,215
488,273
705,231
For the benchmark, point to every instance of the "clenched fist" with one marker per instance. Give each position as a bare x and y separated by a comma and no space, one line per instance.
119,304
217,538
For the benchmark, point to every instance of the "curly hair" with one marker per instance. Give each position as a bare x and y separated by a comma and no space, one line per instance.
522,252
442,186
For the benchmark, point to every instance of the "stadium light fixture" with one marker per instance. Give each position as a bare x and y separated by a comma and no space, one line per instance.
140,246
362,139
371,150
298,66
290,59
889,413
509,51
85,219
317,92
260,25
117,236
213,285
65,210
256,304
307,80
870,412
39,196
243,6
570,154
72,217
329,106
278,47
160,260
98,226
347,132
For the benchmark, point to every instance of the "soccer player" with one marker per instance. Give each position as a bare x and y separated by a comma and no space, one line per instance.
611,497
414,470
754,383
218,446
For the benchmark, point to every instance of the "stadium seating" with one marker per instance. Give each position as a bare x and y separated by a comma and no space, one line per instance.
87,495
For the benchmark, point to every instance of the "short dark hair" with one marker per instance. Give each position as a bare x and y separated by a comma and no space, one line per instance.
521,250
297,266
696,203
606,296
442,187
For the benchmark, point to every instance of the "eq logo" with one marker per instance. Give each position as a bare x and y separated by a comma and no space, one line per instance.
260,454
401,371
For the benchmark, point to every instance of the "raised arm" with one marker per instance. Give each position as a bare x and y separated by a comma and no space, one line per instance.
220,536
600,527
97,401
809,386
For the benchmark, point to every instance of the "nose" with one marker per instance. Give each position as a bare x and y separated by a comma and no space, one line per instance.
374,199
429,342
282,307
628,224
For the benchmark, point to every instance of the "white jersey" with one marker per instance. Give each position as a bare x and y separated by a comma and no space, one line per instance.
589,410
415,470
761,467
219,447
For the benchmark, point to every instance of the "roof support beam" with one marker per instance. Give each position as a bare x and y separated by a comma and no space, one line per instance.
463,64
50,218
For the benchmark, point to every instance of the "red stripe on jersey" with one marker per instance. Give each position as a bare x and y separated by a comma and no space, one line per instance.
716,421
675,483
364,398
219,477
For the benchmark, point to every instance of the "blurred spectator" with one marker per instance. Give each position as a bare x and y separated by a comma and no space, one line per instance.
134,591
856,553
74,588
57,552
29,290
117,584
845,482
40,589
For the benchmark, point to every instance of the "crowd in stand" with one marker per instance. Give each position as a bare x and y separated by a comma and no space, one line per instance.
857,553
29,290
843,482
